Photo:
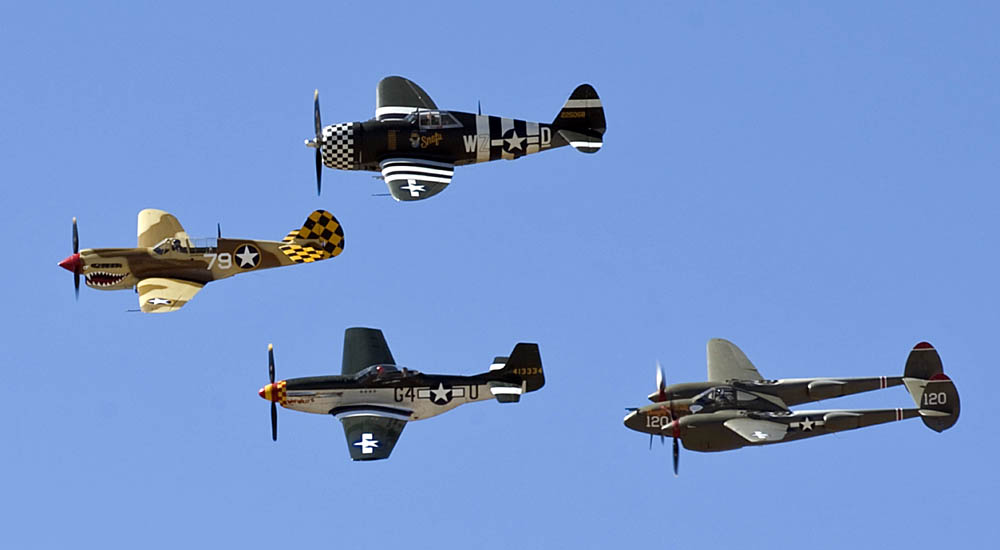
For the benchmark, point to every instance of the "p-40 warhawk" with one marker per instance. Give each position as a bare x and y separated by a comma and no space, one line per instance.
374,398
417,146
167,268
736,407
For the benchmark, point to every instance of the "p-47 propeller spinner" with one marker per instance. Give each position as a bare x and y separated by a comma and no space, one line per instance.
167,268
374,398
736,407
417,146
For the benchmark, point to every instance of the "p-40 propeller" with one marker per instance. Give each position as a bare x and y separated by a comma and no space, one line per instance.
73,262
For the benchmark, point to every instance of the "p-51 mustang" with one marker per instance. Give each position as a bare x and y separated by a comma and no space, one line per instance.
167,268
417,146
736,407
374,398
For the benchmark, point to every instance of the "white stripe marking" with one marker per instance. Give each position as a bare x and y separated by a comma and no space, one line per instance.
380,414
582,104
417,162
393,110
417,177
416,170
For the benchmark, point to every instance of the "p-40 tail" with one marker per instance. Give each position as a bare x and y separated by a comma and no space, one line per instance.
517,374
934,393
581,120
319,238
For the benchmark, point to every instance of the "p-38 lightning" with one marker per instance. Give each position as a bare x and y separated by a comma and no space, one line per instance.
736,407
167,268
374,398
417,146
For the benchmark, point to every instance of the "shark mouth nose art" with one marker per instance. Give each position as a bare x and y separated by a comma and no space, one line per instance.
104,278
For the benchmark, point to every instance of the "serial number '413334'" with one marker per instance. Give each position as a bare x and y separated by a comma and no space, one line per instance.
526,371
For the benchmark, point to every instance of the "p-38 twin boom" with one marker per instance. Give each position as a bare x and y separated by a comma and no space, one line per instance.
737,407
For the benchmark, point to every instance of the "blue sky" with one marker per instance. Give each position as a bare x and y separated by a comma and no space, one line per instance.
816,183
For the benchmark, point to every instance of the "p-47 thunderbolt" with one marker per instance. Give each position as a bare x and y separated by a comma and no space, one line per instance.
374,398
736,407
417,146
167,268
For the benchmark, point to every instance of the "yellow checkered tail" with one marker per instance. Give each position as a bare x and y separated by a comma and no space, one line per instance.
321,237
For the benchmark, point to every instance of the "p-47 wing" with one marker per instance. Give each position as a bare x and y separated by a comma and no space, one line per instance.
411,179
158,295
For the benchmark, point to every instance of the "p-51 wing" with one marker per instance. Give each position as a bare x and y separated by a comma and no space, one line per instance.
371,435
158,295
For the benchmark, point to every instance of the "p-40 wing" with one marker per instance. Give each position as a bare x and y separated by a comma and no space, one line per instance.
157,295
372,433
411,179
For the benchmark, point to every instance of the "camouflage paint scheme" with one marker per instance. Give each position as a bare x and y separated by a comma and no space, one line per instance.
736,407
168,268
374,398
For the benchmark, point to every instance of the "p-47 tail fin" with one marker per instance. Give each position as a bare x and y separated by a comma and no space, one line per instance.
931,389
517,374
581,120
319,238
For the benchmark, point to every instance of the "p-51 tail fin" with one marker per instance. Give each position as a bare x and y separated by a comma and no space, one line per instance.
517,374
581,121
931,389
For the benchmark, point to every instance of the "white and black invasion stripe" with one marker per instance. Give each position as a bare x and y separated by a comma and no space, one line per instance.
416,169
338,146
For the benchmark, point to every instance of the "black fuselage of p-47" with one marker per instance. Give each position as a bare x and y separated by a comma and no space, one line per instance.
416,146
